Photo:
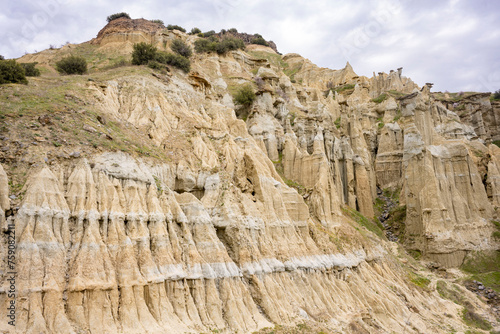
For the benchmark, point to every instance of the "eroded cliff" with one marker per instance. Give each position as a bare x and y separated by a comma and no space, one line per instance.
176,211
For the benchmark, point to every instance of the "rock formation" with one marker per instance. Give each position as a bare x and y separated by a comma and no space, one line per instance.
242,224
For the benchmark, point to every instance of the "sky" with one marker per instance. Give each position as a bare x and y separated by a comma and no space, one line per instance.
454,44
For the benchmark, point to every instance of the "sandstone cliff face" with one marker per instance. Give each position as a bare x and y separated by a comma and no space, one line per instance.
478,111
244,224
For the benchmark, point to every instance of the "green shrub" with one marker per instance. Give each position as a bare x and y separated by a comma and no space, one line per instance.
230,43
155,65
143,53
259,40
2,57
30,70
175,27
363,221
12,72
179,61
195,31
117,16
181,48
221,46
174,60
157,21
245,96
233,30
209,33
205,45
72,65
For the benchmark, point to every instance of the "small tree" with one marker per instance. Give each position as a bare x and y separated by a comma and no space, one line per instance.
174,60
204,45
195,31
72,65
230,44
213,44
11,72
2,57
496,96
30,70
209,33
176,27
259,40
157,21
143,53
245,96
181,48
117,16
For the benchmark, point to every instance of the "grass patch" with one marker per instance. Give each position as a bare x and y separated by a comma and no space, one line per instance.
451,293
363,221
274,59
64,102
415,253
419,281
381,98
343,88
395,93
454,97
473,319
484,267
454,294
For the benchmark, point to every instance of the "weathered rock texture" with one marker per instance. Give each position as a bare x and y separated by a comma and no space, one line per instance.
217,235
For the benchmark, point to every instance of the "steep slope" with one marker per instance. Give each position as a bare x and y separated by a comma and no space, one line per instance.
149,202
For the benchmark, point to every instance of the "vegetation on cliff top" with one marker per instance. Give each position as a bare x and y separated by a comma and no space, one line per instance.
117,16
221,46
496,95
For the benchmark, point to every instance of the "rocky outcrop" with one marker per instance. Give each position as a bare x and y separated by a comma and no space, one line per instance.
103,249
253,220
394,81
477,111
127,30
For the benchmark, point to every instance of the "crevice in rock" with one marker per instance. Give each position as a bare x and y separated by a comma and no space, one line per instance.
198,193
224,237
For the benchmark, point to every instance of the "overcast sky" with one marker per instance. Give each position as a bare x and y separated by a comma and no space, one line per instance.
453,43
